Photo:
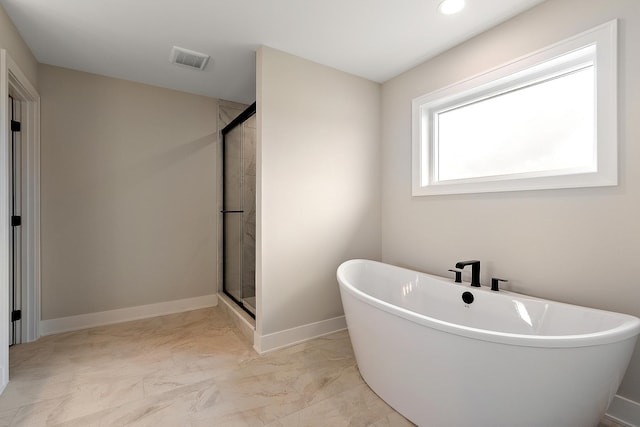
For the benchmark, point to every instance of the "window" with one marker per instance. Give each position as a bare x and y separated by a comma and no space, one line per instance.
547,120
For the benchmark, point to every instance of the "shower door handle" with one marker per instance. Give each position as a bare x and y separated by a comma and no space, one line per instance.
226,211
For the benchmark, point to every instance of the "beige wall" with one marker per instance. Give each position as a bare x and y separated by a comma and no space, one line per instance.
128,193
318,186
11,40
578,245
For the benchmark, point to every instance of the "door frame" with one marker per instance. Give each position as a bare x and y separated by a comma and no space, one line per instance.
13,79
15,208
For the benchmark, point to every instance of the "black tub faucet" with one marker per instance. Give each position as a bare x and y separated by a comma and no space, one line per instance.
475,271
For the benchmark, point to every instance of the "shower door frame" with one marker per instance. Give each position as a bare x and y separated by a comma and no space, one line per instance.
238,121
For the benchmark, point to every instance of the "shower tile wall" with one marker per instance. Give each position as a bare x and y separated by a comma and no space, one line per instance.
249,216
227,111
233,196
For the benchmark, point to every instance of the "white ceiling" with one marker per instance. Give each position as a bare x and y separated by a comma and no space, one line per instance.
132,39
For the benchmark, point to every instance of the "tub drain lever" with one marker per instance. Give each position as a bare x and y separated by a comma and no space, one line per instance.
458,275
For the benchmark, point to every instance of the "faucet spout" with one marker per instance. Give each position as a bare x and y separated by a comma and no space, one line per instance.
475,271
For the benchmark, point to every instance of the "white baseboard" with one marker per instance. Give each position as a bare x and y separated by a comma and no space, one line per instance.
90,320
624,411
288,337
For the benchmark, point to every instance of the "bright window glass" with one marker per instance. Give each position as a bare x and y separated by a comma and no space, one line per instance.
547,120
503,135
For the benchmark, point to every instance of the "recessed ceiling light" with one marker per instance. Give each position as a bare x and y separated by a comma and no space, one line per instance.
449,7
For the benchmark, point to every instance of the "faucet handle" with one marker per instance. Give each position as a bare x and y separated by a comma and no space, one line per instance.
458,275
494,283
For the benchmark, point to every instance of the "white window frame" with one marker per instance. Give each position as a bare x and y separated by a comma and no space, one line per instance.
530,68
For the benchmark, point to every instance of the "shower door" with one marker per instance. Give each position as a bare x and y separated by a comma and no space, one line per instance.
238,209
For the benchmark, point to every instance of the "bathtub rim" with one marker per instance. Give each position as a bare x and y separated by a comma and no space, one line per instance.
630,328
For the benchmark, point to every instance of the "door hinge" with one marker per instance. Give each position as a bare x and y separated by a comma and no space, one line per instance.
16,315
16,220
15,126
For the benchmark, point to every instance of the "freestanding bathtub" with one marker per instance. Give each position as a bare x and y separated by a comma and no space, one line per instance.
504,360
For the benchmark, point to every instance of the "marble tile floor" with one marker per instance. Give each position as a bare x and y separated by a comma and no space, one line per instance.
188,369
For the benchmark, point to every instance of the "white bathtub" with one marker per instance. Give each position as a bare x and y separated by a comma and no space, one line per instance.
505,360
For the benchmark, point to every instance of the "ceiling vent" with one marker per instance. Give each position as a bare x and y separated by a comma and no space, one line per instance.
188,58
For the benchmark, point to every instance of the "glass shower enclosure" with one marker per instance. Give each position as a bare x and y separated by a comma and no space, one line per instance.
239,210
